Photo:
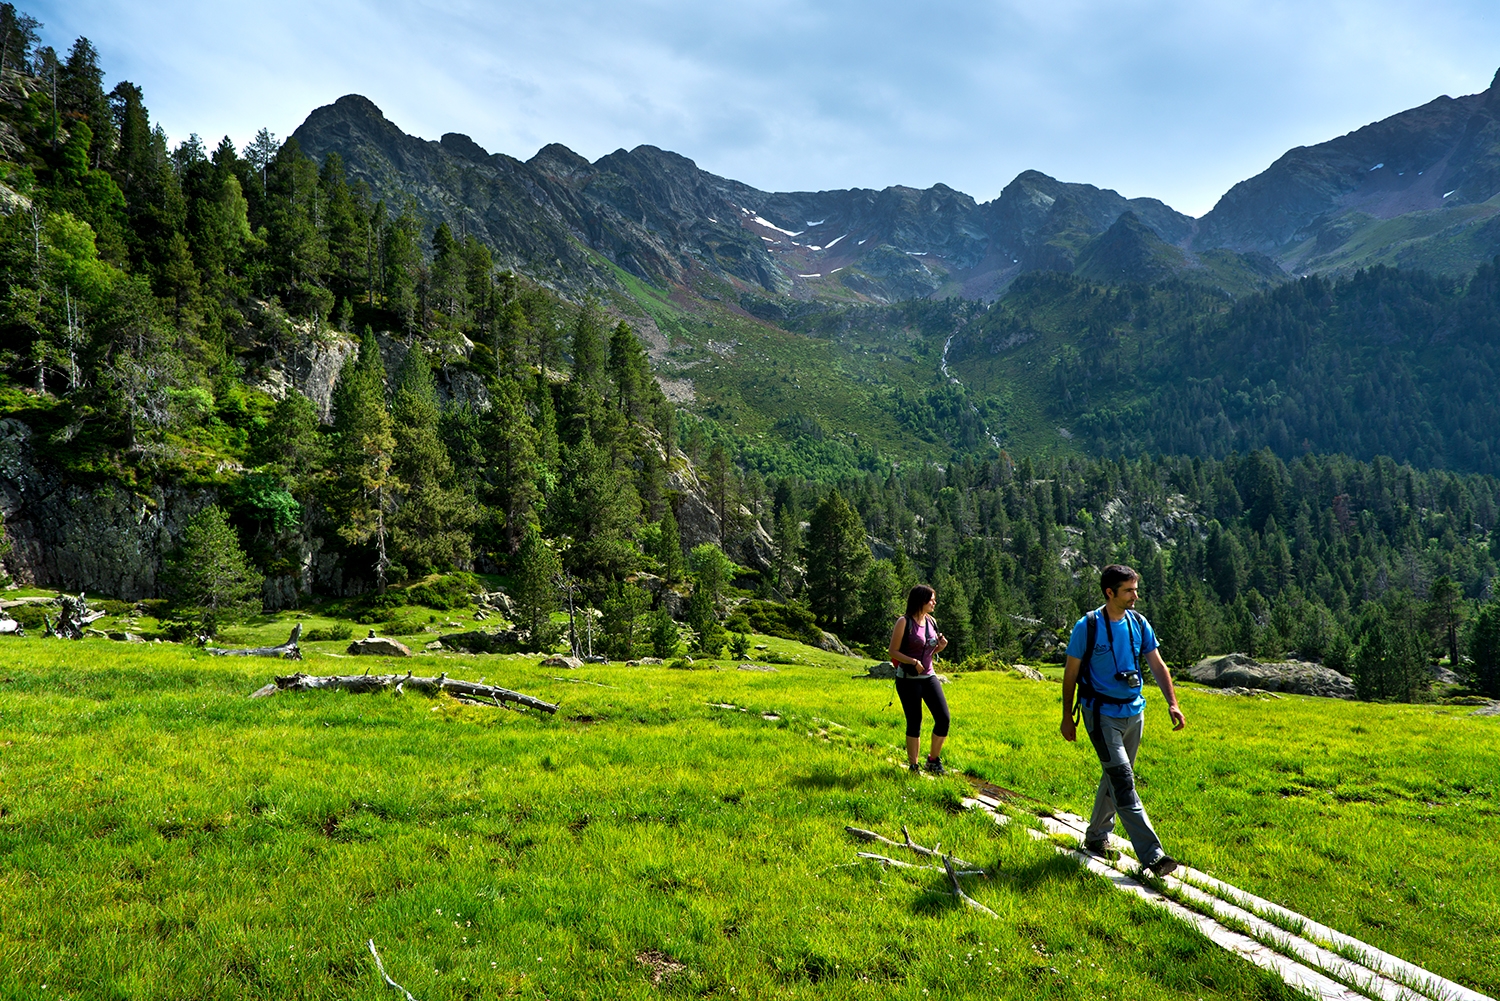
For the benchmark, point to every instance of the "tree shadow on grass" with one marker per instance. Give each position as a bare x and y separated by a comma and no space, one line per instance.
1028,877
937,897
827,778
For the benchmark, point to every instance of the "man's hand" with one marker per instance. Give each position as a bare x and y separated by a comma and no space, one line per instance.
1178,720
1069,729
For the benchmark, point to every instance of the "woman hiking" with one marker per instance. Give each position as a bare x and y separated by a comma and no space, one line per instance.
914,641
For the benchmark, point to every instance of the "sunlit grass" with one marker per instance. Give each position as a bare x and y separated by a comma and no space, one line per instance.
161,835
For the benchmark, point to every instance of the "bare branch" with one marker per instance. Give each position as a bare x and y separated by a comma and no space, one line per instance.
909,844
908,865
958,891
386,976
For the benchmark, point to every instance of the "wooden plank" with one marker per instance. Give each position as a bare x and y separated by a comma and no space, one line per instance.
1385,965
1292,972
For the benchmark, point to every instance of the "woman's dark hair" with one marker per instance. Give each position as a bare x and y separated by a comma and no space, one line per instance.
1112,576
918,599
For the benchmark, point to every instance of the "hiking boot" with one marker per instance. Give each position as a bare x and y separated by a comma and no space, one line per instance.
1101,849
915,767
935,766
1164,866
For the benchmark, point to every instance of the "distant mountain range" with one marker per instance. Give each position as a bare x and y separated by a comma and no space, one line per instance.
1419,189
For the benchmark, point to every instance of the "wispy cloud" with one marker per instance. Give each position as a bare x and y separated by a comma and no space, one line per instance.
1175,99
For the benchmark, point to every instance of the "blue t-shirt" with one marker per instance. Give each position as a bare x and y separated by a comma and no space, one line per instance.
1130,636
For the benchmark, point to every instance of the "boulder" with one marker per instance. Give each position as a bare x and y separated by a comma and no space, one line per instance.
1028,672
833,644
560,660
378,646
1236,670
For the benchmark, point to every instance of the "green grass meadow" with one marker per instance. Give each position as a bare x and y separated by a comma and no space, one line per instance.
164,836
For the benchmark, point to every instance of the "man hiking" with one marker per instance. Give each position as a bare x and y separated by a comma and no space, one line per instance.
1103,668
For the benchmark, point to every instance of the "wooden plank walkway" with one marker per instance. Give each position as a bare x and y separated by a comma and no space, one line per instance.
1309,956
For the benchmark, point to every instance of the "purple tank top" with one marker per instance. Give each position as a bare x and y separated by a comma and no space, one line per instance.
919,642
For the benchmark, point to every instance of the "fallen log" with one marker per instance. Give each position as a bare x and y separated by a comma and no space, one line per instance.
287,651
358,683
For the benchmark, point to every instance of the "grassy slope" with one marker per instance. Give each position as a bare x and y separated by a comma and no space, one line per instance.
770,374
160,834
1449,241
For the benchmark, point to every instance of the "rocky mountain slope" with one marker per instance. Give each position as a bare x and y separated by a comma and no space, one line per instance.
656,215
1421,188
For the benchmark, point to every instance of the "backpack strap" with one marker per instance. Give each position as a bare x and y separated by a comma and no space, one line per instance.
1086,689
906,642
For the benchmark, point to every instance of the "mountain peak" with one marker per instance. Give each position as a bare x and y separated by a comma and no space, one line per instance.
357,104
461,145
557,160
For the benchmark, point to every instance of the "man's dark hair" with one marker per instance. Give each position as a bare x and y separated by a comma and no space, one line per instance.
918,598
1112,576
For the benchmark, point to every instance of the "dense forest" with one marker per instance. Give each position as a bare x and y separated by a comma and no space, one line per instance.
158,302
1379,362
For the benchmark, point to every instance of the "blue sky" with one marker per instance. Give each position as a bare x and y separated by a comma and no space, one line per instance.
1174,99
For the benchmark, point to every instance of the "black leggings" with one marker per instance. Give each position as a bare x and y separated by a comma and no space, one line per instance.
913,692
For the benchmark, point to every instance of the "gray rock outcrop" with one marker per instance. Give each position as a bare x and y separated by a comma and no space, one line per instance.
378,646
833,644
1236,670
479,641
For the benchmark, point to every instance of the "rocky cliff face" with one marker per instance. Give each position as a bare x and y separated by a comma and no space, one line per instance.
97,538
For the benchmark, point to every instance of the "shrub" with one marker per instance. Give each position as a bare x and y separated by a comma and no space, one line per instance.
337,631
665,636
30,616
445,593
210,576
789,622
404,625
983,662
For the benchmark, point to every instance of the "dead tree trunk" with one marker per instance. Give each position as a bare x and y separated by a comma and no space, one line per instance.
467,690
287,651
73,615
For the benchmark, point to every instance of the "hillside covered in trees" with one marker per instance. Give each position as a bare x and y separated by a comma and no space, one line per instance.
262,359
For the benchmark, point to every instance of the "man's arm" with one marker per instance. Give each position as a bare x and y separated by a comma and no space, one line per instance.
1069,729
1164,682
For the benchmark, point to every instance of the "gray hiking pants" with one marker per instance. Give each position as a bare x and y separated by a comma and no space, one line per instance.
1116,740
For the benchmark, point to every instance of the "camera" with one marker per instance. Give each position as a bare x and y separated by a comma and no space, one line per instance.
1130,679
